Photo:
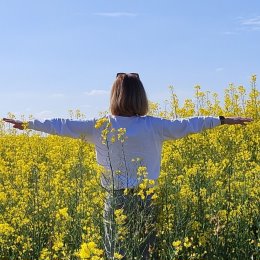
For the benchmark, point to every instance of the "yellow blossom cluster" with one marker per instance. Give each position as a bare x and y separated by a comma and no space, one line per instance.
52,204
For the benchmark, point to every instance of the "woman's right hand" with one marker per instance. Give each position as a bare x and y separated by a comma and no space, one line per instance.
237,120
16,123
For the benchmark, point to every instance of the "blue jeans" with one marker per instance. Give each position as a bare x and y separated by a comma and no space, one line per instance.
139,235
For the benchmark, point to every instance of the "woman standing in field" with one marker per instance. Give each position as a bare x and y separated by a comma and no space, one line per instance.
128,144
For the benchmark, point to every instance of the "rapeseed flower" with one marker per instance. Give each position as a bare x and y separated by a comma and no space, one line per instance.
51,201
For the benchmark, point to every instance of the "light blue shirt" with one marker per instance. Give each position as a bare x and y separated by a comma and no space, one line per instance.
142,146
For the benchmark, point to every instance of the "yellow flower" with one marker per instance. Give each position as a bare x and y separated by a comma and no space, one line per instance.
120,216
142,172
118,256
57,245
176,243
101,122
202,240
187,242
121,135
6,229
155,196
62,213
89,250
43,178
253,78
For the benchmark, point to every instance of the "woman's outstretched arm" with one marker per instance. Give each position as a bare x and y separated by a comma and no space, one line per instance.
63,127
174,129
16,123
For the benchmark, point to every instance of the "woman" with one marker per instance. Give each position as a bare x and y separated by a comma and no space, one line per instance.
125,140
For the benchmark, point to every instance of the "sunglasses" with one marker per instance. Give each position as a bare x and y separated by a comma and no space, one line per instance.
124,74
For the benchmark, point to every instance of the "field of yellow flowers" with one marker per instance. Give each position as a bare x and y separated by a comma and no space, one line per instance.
51,201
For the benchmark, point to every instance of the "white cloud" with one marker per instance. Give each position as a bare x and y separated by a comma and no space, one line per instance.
96,92
251,24
116,14
244,24
252,21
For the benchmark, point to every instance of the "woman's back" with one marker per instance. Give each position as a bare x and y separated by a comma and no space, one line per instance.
131,142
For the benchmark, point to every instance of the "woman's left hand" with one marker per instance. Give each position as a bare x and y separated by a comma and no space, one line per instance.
16,123
237,120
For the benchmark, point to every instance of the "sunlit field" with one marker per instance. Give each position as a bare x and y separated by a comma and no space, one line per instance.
51,200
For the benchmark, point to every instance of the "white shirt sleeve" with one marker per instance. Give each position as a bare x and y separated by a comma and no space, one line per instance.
174,129
65,127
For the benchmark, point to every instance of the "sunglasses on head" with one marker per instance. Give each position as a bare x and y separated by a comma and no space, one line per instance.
124,74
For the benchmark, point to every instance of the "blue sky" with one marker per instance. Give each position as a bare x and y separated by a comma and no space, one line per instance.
58,55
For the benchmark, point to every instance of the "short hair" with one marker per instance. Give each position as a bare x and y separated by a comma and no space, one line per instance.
128,96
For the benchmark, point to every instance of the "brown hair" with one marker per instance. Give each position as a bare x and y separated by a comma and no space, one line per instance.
128,96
